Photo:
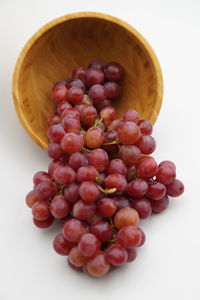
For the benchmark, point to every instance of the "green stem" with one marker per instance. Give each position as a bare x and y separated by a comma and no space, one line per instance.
86,150
111,143
97,122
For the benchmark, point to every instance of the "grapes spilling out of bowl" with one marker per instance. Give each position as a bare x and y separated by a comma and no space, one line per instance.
101,180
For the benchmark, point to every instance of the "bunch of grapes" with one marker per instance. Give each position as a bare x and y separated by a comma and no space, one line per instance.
101,179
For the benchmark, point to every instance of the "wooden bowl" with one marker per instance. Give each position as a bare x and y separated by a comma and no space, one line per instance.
74,40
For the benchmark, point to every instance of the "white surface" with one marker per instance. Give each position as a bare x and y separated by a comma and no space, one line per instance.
168,266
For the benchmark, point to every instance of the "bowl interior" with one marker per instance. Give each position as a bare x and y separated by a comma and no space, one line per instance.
75,42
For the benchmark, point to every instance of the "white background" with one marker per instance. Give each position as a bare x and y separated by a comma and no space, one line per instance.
168,266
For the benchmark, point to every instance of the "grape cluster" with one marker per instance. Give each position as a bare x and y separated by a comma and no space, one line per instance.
101,179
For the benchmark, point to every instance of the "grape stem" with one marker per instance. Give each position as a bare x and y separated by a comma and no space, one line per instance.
97,122
86,150
107,191
111,143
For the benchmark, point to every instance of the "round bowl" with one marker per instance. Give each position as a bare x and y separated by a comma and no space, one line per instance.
74,40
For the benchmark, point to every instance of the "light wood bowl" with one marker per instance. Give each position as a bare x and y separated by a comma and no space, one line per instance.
74,40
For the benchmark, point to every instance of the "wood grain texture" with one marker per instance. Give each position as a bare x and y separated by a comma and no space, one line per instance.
75,40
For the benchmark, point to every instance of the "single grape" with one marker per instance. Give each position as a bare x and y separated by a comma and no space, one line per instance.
114,125
73,230
78,160
156,190
88,115
94,76
94,137
56,133
46,190
143,207
126,216
71,143
73,267
166,174
53,120
64,175
106,207
108,114
116,255
61,245
98,266
76,258
145,127
54,150
75,82
102,126
59,207
71,112
41,210
129,236
117,166
31,198
87,173
59,92
96,64
131,115
104,103
116,181
132,254
88,245
99,159
143,237
89,192
167,163
81,106
79,72
83,211
128,133
102,230
97,93
148,168
113,90
109,137
137,188
131,172
40,177
62,106
129,154
175,189
53,164
113,71
121,202
159,205
43,224
71,124
71,193
146,144
75,95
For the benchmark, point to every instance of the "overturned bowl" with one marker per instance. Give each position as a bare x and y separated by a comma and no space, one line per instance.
74,40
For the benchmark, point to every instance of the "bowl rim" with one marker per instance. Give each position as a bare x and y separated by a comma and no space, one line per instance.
77,15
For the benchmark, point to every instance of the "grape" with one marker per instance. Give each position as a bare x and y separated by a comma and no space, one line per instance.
126,216
146,144
145,127
56,119
131,254
143,207
61,245
156,190
137,188
46,190
43,223
54,150
116,181
75,82
62,106
64,175
148,168
102,230
76,258
56,133
167,163
117,166
59,92
143,237
71,112
89,192
53,164
73,230
114,125
94,137
99,159
113,90
41,210
104,103
108,114
131,115
71,193
101,178
88,115
166,174
88,245
78,160
59,207
121,202
128,133
113,71
117,255
31,198
71,143
102,126
129,236
109,137
75,95
129,154
131,172
40,177
87,173
175,189
97,93
159,205
98,266
83,211
94,76
73,267
79,72
71,124
96,64
106,207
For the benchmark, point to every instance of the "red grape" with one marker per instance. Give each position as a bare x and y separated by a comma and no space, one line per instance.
59,92
76,258
137,188
113,71
156,190
114,125
117,255
131,172
175,189
129,236
54,150
31,198
71,124
78,160
59,207
87,173
73,230
113,90
40,177
129,154
148,168
43,224
75,82
96,64
121,202
83,211
166,174
88,115
131,115
89,192
117,166
79,72
143,237
94,76
46,190
94,137
73,267
106,207
71,143
128,133
146,144
145,127
71,193
131,254
75,95
61,245
64,175
167,163
159,205
108,114
71,112
97,93
99,159
143,207
102,230
62,106
98,266
41,210
126,216
116,181
53,164
56,133
104,103
109,137
56,119
88,245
